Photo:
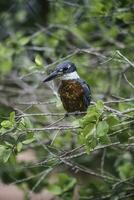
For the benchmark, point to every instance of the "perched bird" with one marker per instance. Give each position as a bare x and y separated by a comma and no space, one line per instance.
74,92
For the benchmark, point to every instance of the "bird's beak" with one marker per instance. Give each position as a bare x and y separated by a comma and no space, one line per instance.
52,76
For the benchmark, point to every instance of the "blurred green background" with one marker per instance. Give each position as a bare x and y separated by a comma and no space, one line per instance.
39,153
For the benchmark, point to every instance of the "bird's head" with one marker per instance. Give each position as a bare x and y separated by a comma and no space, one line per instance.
65,69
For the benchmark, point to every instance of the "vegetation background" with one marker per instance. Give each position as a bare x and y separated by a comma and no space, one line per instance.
42,152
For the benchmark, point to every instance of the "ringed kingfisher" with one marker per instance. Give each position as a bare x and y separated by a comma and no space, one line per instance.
74,92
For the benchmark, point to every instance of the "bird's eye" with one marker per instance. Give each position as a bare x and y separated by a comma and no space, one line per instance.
65,68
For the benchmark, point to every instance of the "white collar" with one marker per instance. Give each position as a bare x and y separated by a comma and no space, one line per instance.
70,76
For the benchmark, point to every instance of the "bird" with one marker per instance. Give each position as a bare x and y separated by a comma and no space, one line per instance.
74,92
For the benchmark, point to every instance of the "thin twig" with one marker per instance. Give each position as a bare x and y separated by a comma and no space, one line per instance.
128,111
129,83
103,160
54,137
36,103
126,59
46,172
120,101
50,114
57,121
95,149
52,128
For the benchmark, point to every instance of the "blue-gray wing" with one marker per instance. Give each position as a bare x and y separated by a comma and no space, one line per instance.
87,92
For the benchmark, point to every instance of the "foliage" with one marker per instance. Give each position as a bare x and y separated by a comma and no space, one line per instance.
88,156
94,127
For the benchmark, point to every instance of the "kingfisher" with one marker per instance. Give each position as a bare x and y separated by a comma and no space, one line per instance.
74,92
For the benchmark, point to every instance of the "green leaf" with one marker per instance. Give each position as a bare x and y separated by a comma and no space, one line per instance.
112,120
38,60
8,144
28,141
25,123
2,149
19,146
6,65
70,185
102,128
97,8
100,105
86,132
3,130
125,16
6,155
12,117
6,124
88,137
123,137
126,170
23,41
91,117
91,144
89,131
104,139
63,184
55,189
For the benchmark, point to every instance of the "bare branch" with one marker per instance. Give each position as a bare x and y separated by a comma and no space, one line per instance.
126,59
51,114
128,111
36,103
52,128
119,101
129,83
